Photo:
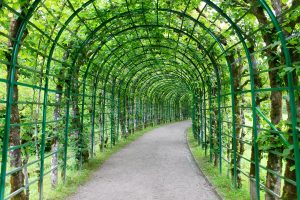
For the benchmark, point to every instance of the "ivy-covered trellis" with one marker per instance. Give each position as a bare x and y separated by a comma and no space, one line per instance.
78,75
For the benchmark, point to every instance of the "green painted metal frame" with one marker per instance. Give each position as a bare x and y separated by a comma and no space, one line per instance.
138,85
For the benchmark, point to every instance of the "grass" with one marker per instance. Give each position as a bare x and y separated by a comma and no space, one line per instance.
221,182
75,178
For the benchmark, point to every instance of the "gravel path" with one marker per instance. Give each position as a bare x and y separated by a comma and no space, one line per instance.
157,166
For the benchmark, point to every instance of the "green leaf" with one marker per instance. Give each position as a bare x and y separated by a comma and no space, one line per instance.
292,168
285,152
289,29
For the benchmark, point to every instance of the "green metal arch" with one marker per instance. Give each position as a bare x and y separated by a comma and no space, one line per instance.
11,83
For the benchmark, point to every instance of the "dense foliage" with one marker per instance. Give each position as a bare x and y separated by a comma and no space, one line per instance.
77,75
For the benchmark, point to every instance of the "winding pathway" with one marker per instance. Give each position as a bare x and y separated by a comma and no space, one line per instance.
157,166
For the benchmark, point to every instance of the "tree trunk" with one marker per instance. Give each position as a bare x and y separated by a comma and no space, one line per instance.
17,178
274,183
290,190
100,119
54,145
258,83
76,125
240,137
241,144
57,117
123,122
274,163
236,73
25,169
81,150
57,113
112,116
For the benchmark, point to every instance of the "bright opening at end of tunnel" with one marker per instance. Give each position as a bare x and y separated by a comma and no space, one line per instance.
79,79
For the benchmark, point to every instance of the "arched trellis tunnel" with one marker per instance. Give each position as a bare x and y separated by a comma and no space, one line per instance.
76,76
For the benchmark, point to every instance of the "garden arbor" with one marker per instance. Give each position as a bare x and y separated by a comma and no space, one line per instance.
76,76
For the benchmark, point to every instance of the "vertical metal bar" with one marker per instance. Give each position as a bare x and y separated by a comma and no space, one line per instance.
137,107
142,112
234,142
93,120
103,118
132,114
169,111
82,120
201,120
220,130
210,125
153,112
112,114
195,133
128,114
119,114
42,148
9,97
66,130
205,136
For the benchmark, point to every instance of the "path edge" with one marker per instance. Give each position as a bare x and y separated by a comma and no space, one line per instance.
199,168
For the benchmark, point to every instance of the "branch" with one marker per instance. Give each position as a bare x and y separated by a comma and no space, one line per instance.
240,4
263,99
244,84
